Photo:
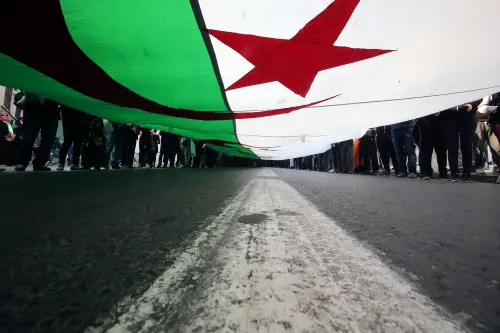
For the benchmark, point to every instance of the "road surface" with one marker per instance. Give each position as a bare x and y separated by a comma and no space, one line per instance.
247,250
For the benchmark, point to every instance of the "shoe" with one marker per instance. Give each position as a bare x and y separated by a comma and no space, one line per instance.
480,171
401,175
116,167
498,180
158,166
41,168
426,178
467,179
60,167
412,175
76,167
386,173
444,177
20,167
455,178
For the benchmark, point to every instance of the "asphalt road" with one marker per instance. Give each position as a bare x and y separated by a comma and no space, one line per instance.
87,251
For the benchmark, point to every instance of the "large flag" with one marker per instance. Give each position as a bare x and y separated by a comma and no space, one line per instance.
273,79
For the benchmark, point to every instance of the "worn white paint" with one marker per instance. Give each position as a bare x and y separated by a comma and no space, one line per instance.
297,271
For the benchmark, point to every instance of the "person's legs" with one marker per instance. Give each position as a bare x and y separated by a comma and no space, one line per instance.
466,126
69,131
78,143
142,154
409,147
392,154
350,155
372,153
32,120
478,146
364,156
450,133
149,153
425,147
100,157
130,151
49,122
117,145
336,157
493,142
185,154
383,149
398,142
162,158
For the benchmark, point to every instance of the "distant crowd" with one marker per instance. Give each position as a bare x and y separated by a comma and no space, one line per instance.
470,129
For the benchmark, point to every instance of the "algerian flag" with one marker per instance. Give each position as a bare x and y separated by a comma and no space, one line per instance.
274,79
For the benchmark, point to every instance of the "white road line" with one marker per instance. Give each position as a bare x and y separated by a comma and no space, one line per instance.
292,269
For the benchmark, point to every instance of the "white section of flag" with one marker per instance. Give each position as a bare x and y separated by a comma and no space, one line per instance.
442,47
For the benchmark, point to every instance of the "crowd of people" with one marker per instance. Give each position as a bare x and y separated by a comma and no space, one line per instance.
469,129
90,142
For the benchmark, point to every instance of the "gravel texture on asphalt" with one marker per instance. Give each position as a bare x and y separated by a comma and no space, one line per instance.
73,244
446,235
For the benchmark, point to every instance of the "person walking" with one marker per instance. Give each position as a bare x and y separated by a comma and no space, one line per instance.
40,115
145,148
346,150
186,151
459,124
489,114
75,124
404,145
94,146
386,150
368,152
429,139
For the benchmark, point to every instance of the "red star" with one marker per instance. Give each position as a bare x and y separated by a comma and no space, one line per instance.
296,62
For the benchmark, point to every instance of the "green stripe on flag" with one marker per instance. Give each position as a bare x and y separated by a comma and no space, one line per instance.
15,74
152,47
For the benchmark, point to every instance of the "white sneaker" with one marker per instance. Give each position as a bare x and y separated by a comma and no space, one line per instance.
498,180
480,171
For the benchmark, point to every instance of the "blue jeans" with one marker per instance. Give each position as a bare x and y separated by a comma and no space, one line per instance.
404,145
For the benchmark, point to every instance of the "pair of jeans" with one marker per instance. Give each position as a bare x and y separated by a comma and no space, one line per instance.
387,152
115,146
404,145
38,117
